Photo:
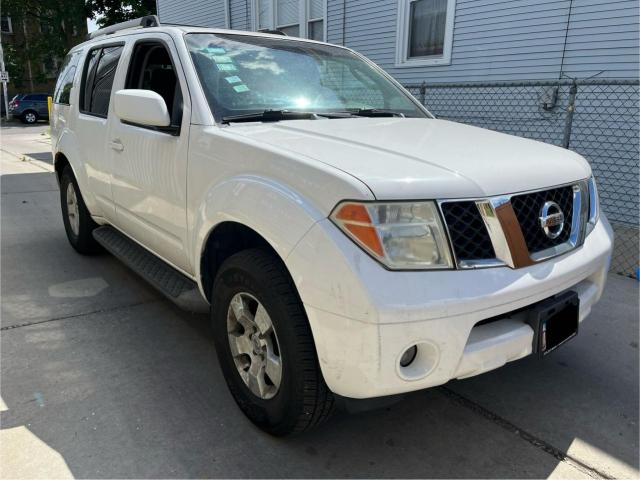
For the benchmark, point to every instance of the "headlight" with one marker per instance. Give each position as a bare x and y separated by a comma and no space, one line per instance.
399,235
594,205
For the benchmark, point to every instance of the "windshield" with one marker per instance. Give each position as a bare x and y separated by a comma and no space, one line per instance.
243,74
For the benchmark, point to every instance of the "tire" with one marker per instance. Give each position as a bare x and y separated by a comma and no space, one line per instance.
80,233
29,117
302,400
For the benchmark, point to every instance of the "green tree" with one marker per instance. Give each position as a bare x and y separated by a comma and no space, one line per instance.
52,28
108,12
13,66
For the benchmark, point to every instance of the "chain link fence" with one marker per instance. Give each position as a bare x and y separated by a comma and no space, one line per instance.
597,118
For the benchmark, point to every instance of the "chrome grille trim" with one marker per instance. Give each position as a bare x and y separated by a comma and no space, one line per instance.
503,247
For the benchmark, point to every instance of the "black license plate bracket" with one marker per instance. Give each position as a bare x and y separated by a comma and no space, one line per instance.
554,321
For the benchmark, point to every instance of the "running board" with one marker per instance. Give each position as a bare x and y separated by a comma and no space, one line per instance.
172,284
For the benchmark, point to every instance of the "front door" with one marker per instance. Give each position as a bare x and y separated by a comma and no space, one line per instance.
149,164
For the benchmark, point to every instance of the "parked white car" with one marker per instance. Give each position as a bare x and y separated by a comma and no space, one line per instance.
349,244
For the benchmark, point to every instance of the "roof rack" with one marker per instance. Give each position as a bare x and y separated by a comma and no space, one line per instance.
144,22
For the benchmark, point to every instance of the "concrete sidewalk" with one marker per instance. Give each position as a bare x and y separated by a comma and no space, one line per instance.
101,377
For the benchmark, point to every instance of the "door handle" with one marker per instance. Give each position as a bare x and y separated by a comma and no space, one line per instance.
116,145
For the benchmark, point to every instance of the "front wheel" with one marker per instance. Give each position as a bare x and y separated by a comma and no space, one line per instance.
265,347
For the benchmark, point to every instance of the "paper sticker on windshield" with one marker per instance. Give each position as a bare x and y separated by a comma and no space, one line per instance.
241,88
234,79
221,59
214,50
226,67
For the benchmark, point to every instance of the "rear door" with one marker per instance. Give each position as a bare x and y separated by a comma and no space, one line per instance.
98,73
149,164
42,104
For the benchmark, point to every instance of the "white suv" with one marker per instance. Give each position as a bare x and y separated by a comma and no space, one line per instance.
349,244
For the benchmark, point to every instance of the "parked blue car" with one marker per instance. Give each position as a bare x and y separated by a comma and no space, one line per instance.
29,107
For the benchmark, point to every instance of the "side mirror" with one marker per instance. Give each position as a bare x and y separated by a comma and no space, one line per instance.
142,107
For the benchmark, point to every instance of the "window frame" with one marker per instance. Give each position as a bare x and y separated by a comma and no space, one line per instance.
304,19
10,24
85,74
57,91
402,38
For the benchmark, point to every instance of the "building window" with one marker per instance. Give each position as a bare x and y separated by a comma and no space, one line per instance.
425,32
45,27
5,25
315,20
296,18
50,67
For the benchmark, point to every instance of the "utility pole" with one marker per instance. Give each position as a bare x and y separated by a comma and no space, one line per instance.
4,82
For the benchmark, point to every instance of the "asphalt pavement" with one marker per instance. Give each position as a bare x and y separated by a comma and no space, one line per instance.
101,377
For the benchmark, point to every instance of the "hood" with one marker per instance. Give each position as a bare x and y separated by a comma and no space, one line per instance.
414,158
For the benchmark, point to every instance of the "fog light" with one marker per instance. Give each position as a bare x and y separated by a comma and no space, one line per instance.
408,356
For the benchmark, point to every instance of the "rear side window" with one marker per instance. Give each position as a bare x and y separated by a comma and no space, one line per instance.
100,70
65,79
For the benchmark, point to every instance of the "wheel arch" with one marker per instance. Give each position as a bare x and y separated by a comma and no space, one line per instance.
60,161
65,152
30,110
224,240
247,212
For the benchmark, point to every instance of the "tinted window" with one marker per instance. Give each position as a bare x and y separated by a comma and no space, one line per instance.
100,72
152,69
65,79
87,82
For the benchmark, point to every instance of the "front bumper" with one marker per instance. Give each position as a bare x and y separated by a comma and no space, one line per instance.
363,317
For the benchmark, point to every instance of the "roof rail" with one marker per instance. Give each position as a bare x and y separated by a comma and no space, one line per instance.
144,22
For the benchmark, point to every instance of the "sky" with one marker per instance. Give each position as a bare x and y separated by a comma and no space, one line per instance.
91,25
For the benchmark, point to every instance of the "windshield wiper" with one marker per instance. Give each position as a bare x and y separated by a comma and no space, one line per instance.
283,114
376,112
274,116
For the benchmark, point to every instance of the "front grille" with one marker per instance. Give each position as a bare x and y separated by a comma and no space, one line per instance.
469,236
470,239
527,208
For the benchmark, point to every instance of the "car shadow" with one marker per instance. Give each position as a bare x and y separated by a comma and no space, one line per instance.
41,156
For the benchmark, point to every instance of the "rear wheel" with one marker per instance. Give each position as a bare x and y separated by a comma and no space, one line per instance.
265,347
76,218
30,117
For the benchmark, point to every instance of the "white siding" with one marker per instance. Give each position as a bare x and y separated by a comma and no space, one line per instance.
503,39
202,13
240,13
492,39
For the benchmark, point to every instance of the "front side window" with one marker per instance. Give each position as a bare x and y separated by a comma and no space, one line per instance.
425,32
151,68
296,18
243,75
100,70
65,78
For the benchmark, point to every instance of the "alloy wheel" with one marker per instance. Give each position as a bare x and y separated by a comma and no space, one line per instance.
73,210
254,345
